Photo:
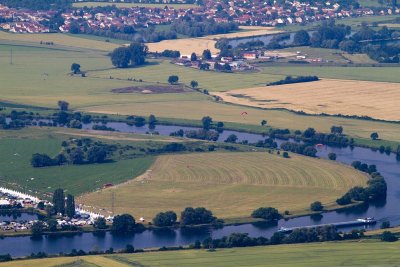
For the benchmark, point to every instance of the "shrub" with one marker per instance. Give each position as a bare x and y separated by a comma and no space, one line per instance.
388,236
266,213
316,206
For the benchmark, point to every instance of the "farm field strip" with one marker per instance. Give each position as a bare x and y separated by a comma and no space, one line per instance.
195,110
374,99
59,39
329,254
197,45
230,184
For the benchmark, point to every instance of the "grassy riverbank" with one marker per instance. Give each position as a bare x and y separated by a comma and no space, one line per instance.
349,253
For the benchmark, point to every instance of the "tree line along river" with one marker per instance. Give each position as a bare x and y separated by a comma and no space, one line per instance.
388,210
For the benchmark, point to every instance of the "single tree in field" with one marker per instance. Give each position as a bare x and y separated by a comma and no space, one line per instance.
263,122
206,121
75,68
121,57
193,57
194,84
63,105
374,136
173,79
207,54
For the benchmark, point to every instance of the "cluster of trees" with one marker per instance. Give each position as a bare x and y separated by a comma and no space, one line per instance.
196,26
302,149
165,219
366,40
170,53
364,167
196,216
139,121
222,67
376,189
290,80
266,213
102,127
81,151
43,160
189,216
304,235
61,205
250,45
276,40
133,55
335,138
125,224
203,134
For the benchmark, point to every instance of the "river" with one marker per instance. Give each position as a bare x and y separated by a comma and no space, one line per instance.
389,210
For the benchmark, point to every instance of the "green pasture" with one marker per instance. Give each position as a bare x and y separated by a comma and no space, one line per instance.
16,171
330,254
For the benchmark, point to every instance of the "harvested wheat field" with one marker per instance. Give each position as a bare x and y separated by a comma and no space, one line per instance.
198,45
232,185
185,46
379,100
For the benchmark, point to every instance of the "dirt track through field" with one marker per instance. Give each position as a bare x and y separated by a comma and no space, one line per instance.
378,100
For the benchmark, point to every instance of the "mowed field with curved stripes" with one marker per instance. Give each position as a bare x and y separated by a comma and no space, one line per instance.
232,185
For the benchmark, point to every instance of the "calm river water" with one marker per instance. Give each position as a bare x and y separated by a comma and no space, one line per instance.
389,210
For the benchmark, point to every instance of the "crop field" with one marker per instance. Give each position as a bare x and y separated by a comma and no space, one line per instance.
41,77
232,185
374,99
58,39
377,74
128,5
16,171
329,254
185,46
197,45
